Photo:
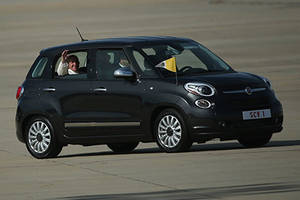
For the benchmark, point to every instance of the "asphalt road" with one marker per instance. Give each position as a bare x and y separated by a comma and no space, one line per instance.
258,36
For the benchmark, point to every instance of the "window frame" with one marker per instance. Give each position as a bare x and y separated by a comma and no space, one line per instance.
35,66
89,66
135,64
94,61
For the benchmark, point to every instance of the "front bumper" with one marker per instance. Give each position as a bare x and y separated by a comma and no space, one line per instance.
228,130
227,123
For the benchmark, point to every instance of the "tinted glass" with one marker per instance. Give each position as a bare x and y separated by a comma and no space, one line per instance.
191,58
109,60
39,68
143,64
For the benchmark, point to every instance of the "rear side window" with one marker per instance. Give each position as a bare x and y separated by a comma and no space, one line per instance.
63,72
39,68
81,55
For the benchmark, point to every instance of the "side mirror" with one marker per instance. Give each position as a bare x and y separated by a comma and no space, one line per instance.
124,72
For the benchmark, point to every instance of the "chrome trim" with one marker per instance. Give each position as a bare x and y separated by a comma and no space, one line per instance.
243,91
100,124
203,107
193,87
100,90
49,89
199,127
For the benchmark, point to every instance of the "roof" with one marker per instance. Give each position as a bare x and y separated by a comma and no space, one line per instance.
122,41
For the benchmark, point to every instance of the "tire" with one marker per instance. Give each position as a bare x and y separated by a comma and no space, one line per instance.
40,138
171,132
123,147
255,141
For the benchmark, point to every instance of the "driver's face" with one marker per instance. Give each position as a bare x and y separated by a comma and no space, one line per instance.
124,62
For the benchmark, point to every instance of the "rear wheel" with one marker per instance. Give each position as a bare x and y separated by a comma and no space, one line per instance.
255,141
123,147
40,139
171,132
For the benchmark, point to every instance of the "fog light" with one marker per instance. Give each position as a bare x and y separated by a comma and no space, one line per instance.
203,103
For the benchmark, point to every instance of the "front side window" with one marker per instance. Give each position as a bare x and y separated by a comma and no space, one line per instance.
39,68
189,58
144,65
109,60
71,65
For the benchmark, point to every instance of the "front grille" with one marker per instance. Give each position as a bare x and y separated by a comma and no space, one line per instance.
251,103
244,101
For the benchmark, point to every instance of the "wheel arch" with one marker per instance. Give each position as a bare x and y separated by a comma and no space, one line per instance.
27,119
160,109
36,115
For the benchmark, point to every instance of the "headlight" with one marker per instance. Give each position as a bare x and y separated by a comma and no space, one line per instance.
267,81
202,89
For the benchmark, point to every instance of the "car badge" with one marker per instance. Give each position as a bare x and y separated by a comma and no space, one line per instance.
248,90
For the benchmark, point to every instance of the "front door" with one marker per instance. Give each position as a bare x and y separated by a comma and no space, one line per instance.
117,103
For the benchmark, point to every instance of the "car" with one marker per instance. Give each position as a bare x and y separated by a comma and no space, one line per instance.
173,91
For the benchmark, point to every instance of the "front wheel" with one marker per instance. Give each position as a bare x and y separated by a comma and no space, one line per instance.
123,147
255,141
40,139
171,132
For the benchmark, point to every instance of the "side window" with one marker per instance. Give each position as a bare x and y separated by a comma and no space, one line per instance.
39,68
75,66
109,60
145,66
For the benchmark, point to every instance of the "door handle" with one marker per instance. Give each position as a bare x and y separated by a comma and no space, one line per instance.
49,89
100,89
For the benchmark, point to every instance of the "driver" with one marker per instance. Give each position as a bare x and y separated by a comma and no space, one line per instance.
123,61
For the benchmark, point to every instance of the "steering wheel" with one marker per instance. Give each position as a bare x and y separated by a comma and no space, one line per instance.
185,68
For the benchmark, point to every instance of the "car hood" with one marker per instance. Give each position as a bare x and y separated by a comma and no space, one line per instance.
227,81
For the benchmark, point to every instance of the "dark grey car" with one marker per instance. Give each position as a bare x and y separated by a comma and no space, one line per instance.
174,91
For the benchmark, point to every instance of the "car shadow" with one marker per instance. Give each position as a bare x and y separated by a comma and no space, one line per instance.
194,148
201,193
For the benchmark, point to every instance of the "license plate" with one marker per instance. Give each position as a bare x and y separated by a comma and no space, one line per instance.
256,114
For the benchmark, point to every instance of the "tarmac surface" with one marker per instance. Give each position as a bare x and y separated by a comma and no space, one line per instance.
256,36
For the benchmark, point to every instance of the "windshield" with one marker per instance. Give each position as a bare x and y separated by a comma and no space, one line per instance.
186,58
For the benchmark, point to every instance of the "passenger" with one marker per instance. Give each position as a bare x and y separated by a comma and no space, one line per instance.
69,64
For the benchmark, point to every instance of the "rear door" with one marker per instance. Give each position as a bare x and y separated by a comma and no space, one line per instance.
69,95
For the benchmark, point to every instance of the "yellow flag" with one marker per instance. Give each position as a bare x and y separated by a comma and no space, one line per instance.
169,64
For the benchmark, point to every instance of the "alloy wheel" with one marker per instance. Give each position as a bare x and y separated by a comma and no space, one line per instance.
39,137
169,131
